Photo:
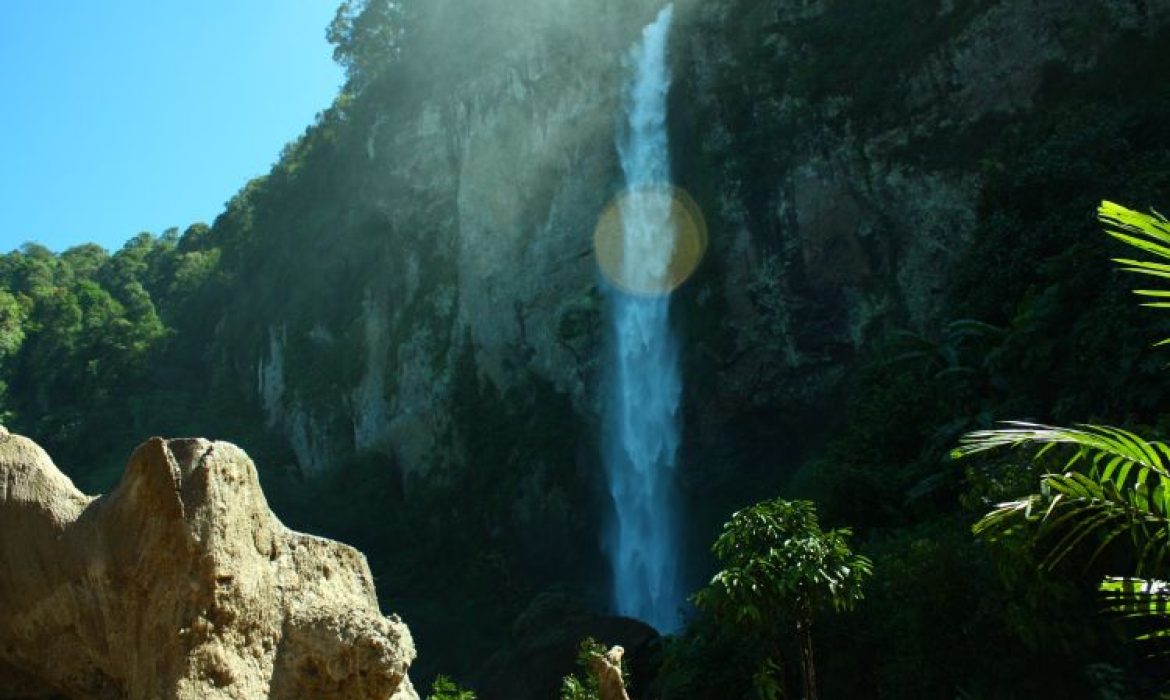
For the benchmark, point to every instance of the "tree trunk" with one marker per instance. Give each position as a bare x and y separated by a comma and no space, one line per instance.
807,669
781,672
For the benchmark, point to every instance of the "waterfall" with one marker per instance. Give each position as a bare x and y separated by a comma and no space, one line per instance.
642,412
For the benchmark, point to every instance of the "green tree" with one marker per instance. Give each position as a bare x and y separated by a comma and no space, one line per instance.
780,567
446,689
1112,493
11,320
11,338
366,37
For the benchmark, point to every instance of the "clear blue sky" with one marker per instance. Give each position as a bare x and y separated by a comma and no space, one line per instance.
122,116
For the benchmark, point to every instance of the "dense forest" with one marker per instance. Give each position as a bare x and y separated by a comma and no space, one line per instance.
402,324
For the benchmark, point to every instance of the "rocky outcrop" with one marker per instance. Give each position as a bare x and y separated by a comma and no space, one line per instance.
180,585
608,667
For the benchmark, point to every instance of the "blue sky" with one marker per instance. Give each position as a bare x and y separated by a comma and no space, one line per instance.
122,116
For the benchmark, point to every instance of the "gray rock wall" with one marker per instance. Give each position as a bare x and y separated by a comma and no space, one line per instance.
837,194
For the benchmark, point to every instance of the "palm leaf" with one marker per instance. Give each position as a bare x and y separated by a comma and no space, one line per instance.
1123,221
1145,601
1143,267
1091,441
1115,484
1149,233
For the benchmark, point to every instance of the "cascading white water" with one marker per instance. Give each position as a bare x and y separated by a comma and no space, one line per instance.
643,432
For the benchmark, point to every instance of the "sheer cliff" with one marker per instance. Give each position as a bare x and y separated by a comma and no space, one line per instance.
432,243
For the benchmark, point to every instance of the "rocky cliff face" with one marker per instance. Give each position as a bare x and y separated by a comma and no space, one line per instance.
836,147
833,147
483,177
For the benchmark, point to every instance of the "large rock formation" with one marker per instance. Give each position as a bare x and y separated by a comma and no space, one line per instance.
180,584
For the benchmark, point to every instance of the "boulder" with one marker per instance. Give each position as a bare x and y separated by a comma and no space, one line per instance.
181,584
608,667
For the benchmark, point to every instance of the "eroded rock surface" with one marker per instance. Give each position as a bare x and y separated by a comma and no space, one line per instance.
608,667
180,584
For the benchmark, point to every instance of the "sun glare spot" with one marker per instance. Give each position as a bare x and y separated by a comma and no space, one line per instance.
650,259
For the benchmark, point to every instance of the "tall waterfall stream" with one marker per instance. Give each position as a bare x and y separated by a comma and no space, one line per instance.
642,411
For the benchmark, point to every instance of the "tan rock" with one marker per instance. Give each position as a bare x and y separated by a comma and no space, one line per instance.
180,585
608,667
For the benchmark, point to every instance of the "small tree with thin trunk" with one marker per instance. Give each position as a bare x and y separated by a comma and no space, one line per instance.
779,570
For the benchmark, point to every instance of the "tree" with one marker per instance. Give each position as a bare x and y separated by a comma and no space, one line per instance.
11,318
446,689
1113,491
366,36
778,565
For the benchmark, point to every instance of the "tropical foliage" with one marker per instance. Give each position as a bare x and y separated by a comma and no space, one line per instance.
781,568
444,688
1113,490
1149,233
366,36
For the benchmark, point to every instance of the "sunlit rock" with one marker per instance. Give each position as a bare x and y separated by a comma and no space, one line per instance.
180,585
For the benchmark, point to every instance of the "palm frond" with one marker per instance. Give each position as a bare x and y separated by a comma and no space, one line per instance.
1149,233
1111,448
1122,221
1114,485
1142,601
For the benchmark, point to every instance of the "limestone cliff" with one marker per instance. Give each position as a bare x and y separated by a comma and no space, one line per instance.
838,172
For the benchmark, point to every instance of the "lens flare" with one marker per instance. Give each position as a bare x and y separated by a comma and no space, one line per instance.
680,245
